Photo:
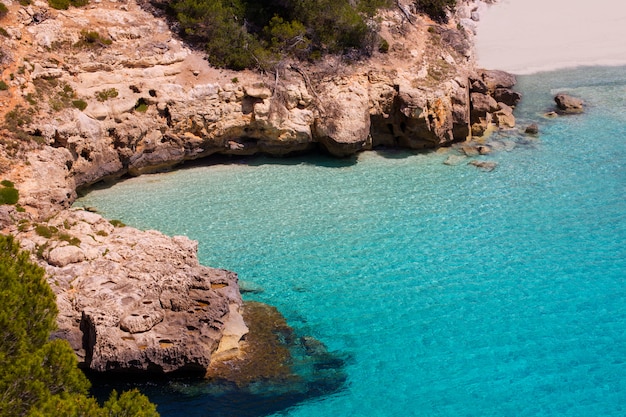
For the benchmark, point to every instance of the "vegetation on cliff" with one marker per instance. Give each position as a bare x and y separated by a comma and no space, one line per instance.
65,4
3,10
8,193
39,376
436,9
240,34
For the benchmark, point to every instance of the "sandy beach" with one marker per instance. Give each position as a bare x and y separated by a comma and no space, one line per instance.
526,36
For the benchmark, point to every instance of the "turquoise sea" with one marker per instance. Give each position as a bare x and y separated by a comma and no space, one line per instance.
445,290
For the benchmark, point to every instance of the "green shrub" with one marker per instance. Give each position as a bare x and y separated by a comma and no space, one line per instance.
3,10
436,9
59,4
79,104
383,46
9,195
90,38
46,231
274,29
141,106
3,32
370,7
7,183
104,95
3,85
65,4
23,225
72,240
117,223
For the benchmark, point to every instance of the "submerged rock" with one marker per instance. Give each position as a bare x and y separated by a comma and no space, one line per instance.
454,160
274,356
486,166
276,369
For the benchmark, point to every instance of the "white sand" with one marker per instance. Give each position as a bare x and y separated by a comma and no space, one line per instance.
525,36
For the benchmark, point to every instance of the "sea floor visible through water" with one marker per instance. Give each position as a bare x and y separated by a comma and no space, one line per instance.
450,291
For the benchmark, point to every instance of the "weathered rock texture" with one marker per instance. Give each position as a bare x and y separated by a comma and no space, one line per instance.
132,300
492,100
567,104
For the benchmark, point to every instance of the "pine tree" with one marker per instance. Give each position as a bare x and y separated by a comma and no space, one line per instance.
40,377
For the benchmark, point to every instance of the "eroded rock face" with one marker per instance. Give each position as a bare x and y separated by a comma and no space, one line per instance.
492,100
133,301
151,103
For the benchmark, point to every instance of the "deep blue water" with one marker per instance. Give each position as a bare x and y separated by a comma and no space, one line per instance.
452,291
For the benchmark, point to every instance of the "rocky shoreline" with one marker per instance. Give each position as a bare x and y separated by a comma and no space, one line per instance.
139,301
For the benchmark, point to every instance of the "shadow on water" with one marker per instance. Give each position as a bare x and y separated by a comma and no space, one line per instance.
314,157
399,153
280,370
197,398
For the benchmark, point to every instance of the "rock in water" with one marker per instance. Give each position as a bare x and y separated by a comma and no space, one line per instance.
532,129
568,104
486,166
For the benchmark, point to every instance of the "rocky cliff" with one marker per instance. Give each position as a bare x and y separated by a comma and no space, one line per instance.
108,90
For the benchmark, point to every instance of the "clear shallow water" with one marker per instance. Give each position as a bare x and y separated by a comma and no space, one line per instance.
454,292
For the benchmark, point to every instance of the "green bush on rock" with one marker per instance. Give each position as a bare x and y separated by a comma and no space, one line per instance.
65,4
240,34
4,10
39,377
8,193
436,9
104,95
244,34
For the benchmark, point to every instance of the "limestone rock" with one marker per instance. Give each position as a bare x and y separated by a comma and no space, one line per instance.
139,301
140,321
344,127
504,116
492,99
235,329
507,96
64,255
156,308
495,79
454,160
258,91
568,104
483,103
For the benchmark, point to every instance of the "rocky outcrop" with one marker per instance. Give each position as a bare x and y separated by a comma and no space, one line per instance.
132,301
492,100
567,104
